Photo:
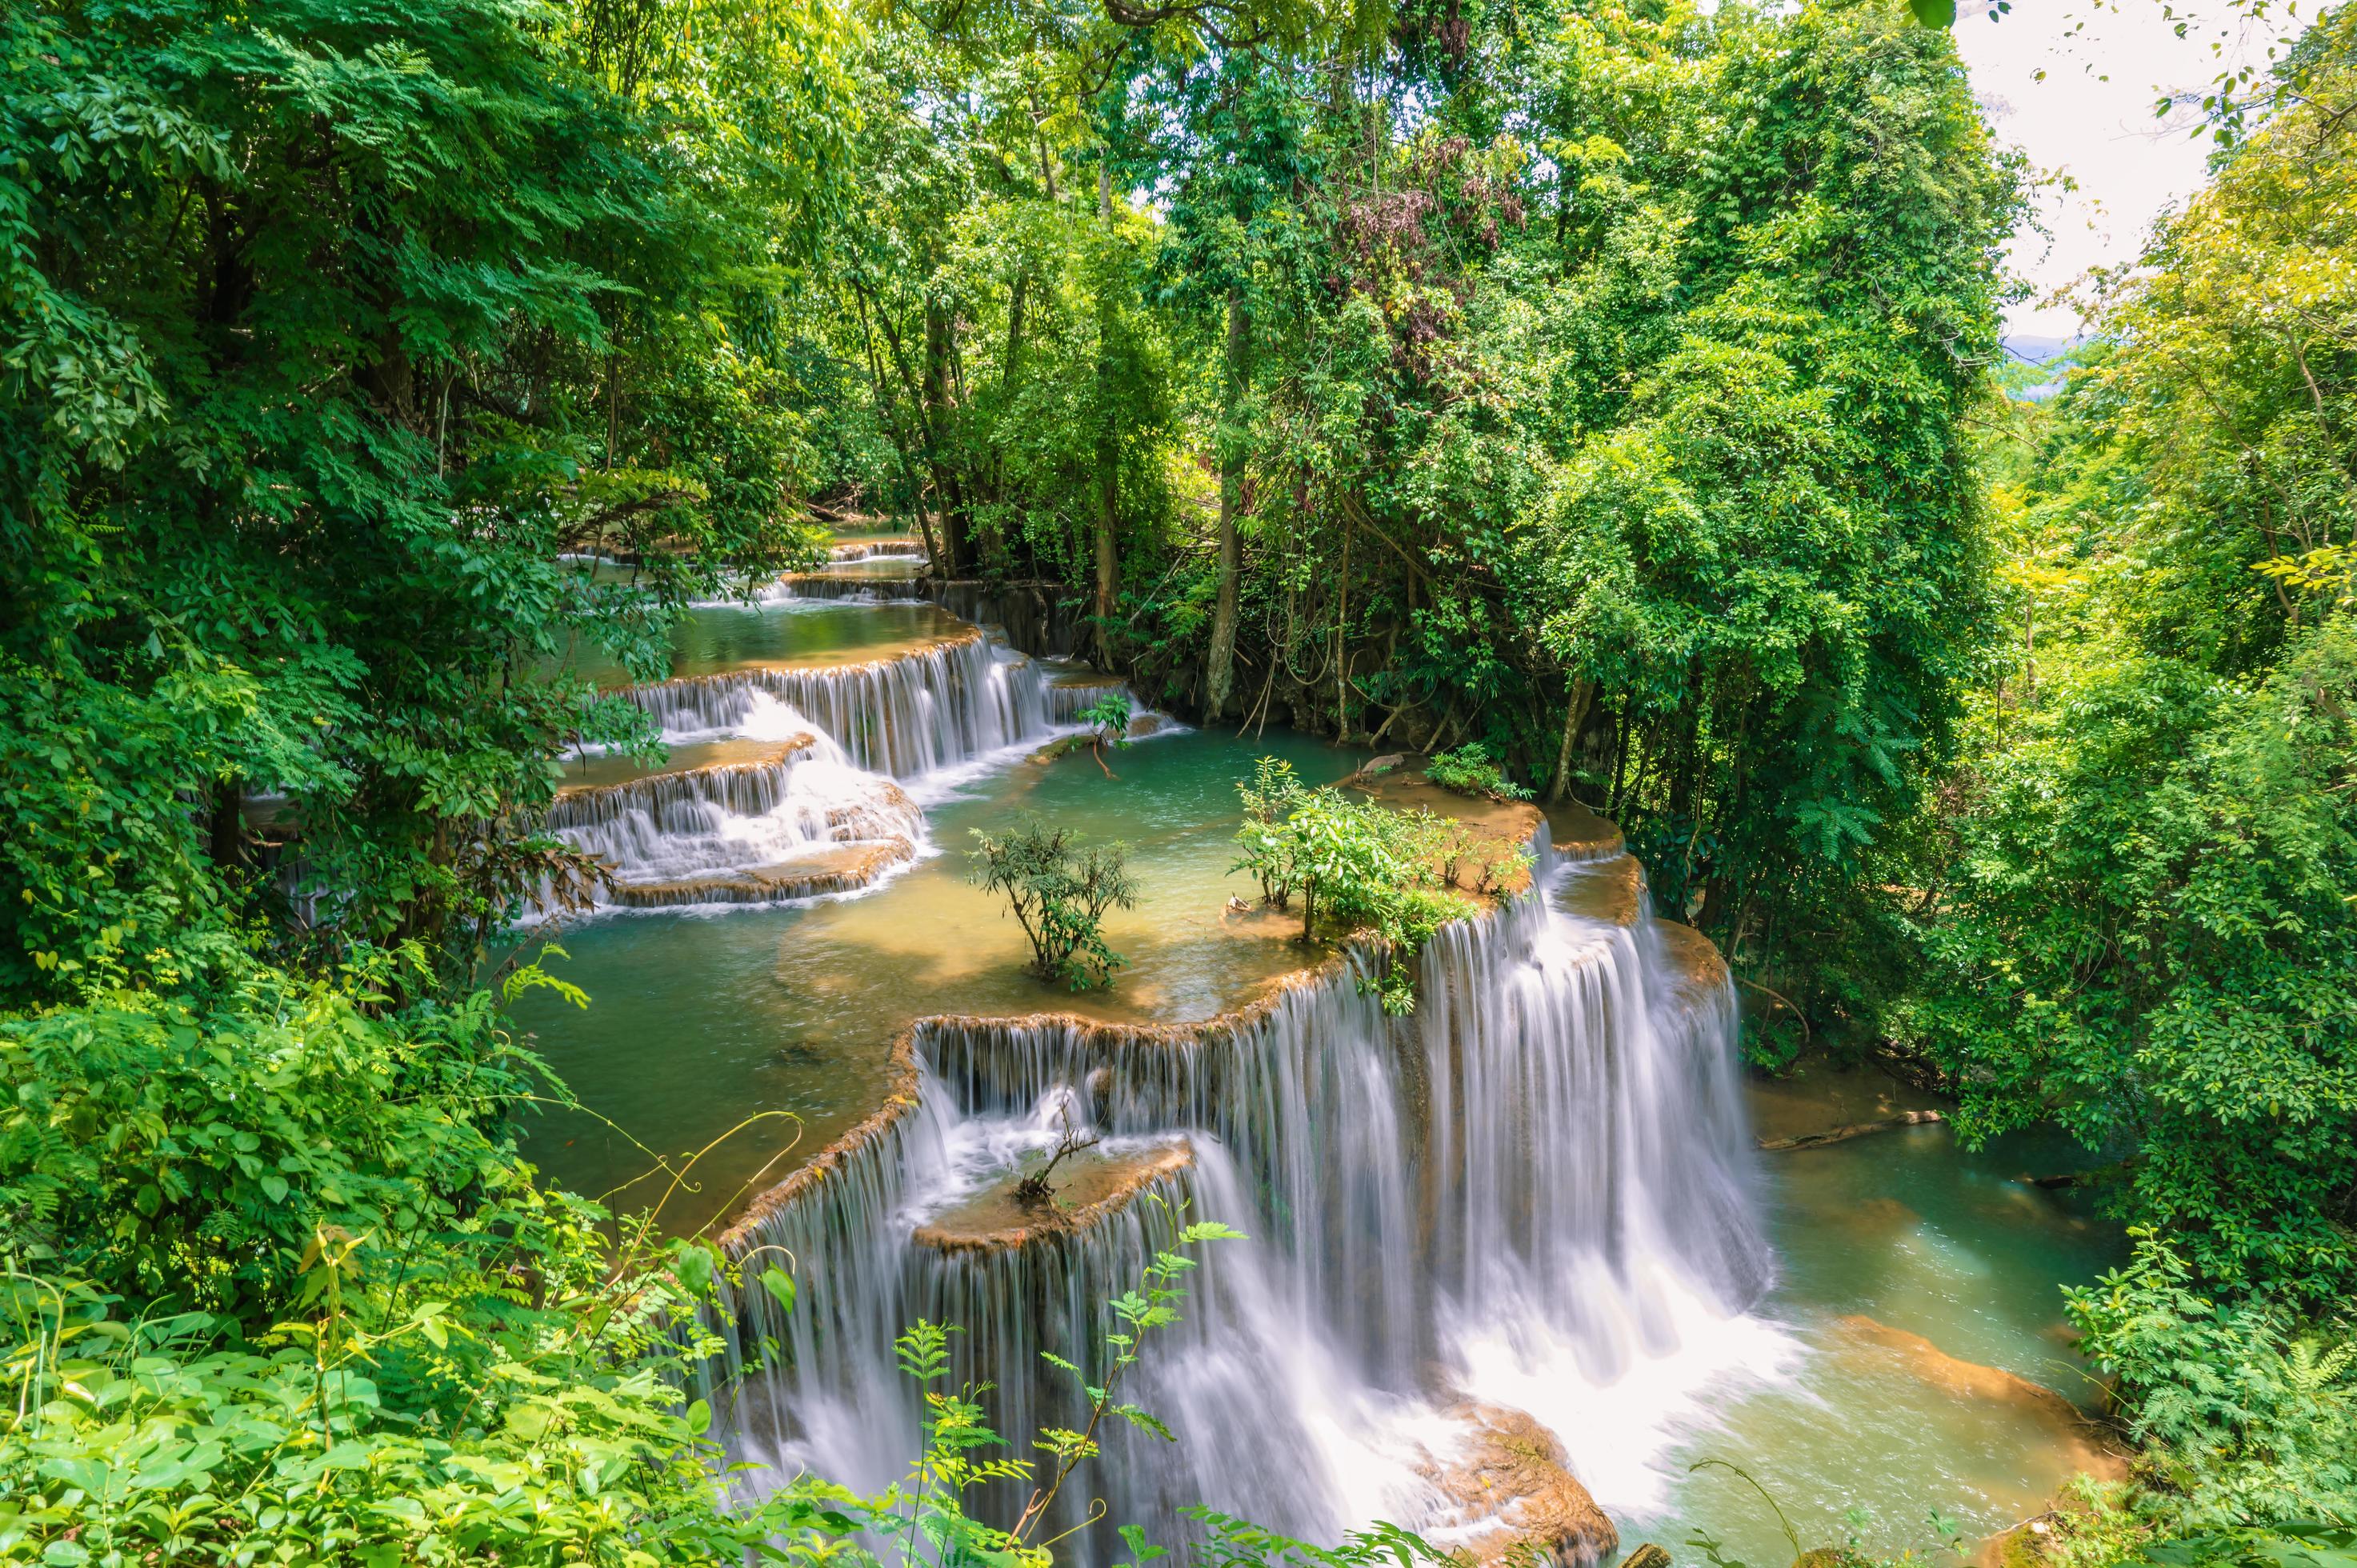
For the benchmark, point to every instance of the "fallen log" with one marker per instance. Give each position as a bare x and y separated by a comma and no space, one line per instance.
1855,1130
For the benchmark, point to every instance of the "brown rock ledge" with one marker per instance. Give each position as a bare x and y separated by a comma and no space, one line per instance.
1087,1188
1512,1488
593,777
841,869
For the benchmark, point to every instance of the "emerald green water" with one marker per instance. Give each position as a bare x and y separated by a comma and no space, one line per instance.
714,639
1903,1229
1912,1276
699,1020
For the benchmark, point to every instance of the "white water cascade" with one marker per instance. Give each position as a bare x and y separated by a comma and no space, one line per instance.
793,795
1538,1177
904,714
763,803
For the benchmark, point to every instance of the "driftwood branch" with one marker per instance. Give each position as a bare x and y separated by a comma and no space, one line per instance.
1855,1130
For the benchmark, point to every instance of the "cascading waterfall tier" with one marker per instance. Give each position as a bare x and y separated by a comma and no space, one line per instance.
862,587
905,714
741,821
1545,1157
877,549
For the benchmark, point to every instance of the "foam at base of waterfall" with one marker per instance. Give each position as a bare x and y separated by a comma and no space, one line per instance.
677,828
1620,1432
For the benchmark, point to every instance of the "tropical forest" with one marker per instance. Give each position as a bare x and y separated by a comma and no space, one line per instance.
1247,783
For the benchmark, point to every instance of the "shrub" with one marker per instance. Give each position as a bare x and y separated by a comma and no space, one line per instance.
1108,722
1269,799
1059,894
1357,865
1471,770
275,1286
2246,1415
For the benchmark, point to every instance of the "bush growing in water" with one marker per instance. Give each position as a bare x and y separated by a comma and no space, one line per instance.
1471,770
1108,722
1059,894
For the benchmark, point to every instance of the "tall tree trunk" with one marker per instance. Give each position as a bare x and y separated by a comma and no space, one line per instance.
1010,380
1583,694
1009,374
888,415
1220,668
1108,452
228,845
938,407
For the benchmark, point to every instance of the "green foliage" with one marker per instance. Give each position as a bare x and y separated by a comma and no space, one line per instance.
1108,719
276,1287
2136,903
326,328
1471,770
2286,1545
1269,799
2246,1418
1357,865
148,1439
1058,893
185,1149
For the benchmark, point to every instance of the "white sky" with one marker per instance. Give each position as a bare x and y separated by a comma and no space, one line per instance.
2107,62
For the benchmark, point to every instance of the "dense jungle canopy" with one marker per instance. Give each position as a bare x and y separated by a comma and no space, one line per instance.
1616,386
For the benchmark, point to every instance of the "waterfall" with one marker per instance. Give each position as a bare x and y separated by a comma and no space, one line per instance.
878,549
1547,1161
862,587
755,827
903,715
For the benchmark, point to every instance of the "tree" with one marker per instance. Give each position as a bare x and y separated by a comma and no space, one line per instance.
2139,921
1358,865
1058,893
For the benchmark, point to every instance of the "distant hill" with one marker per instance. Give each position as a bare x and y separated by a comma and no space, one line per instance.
2036,351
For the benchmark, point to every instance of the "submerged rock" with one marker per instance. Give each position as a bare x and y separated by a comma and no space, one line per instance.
2078,1441
1513,1496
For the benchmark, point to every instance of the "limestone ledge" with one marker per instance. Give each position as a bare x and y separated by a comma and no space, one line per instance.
715,761
842,869
1109,1041
1513,1497
899,1099
893,653
856,585
872,549
997,1220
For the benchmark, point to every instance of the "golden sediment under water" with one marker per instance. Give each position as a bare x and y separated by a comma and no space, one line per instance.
1914,1355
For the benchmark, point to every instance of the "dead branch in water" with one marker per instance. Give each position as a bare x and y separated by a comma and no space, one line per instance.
1855,1130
